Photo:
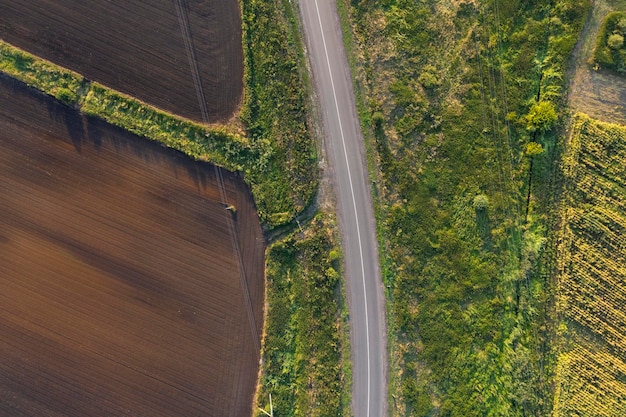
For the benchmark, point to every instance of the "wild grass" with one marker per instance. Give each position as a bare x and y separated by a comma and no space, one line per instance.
215,144
305,343
591,376
450,86
275,112
41,74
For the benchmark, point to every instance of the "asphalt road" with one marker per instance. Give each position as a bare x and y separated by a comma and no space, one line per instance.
346,158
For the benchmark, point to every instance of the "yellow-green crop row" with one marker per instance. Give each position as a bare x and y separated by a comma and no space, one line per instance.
591,373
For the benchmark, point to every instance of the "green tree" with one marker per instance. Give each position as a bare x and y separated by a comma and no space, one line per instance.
541,117
621,25
65,95
532,149
615,41
481,202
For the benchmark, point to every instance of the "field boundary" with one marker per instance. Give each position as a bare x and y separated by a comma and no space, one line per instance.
225,145
97,100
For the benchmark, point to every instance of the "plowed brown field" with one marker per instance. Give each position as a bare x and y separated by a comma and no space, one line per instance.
120,293
136,46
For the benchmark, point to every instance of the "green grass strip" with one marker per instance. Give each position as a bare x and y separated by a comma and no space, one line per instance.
43,75
215,144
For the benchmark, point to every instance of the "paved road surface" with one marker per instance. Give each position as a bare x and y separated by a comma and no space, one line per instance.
344,144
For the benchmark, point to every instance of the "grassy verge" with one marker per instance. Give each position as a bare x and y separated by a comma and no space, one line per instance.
275,109
462,104
591,371
215,144
304,351
43,75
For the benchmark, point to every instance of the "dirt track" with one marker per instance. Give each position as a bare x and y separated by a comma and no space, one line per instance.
600,94
119,289
137,47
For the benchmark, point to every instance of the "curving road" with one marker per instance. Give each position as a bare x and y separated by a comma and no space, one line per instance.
345,149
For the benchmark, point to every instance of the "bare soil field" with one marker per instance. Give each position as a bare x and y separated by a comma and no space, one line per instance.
598,93
120,291
137,47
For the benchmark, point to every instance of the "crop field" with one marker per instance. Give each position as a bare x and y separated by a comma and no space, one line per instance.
120,290
138,47
591,373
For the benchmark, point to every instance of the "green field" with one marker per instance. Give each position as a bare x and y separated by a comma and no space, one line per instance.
463,107
591,372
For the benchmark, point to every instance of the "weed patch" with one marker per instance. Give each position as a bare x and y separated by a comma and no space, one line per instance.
464,99
304,343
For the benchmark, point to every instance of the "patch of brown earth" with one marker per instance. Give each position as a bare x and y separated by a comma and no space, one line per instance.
599,93
120,291
137,47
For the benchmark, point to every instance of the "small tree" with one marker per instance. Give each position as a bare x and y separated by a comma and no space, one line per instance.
377,120
541,117
65,95
615,41
481,202
533,149
428,78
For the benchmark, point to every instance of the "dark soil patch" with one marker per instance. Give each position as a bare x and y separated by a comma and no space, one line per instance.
137,47
120,293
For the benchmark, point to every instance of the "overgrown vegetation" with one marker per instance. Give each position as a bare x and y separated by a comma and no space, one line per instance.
302,352
464,99
306,365
215,144
610,51
591,372
43,75
275,108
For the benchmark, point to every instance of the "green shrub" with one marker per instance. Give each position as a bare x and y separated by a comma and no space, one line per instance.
66,96
481,202
615,41
541,117
533,149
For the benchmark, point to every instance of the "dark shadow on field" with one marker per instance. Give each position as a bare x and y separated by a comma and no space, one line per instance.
93,134
484,228
62,113
101,135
